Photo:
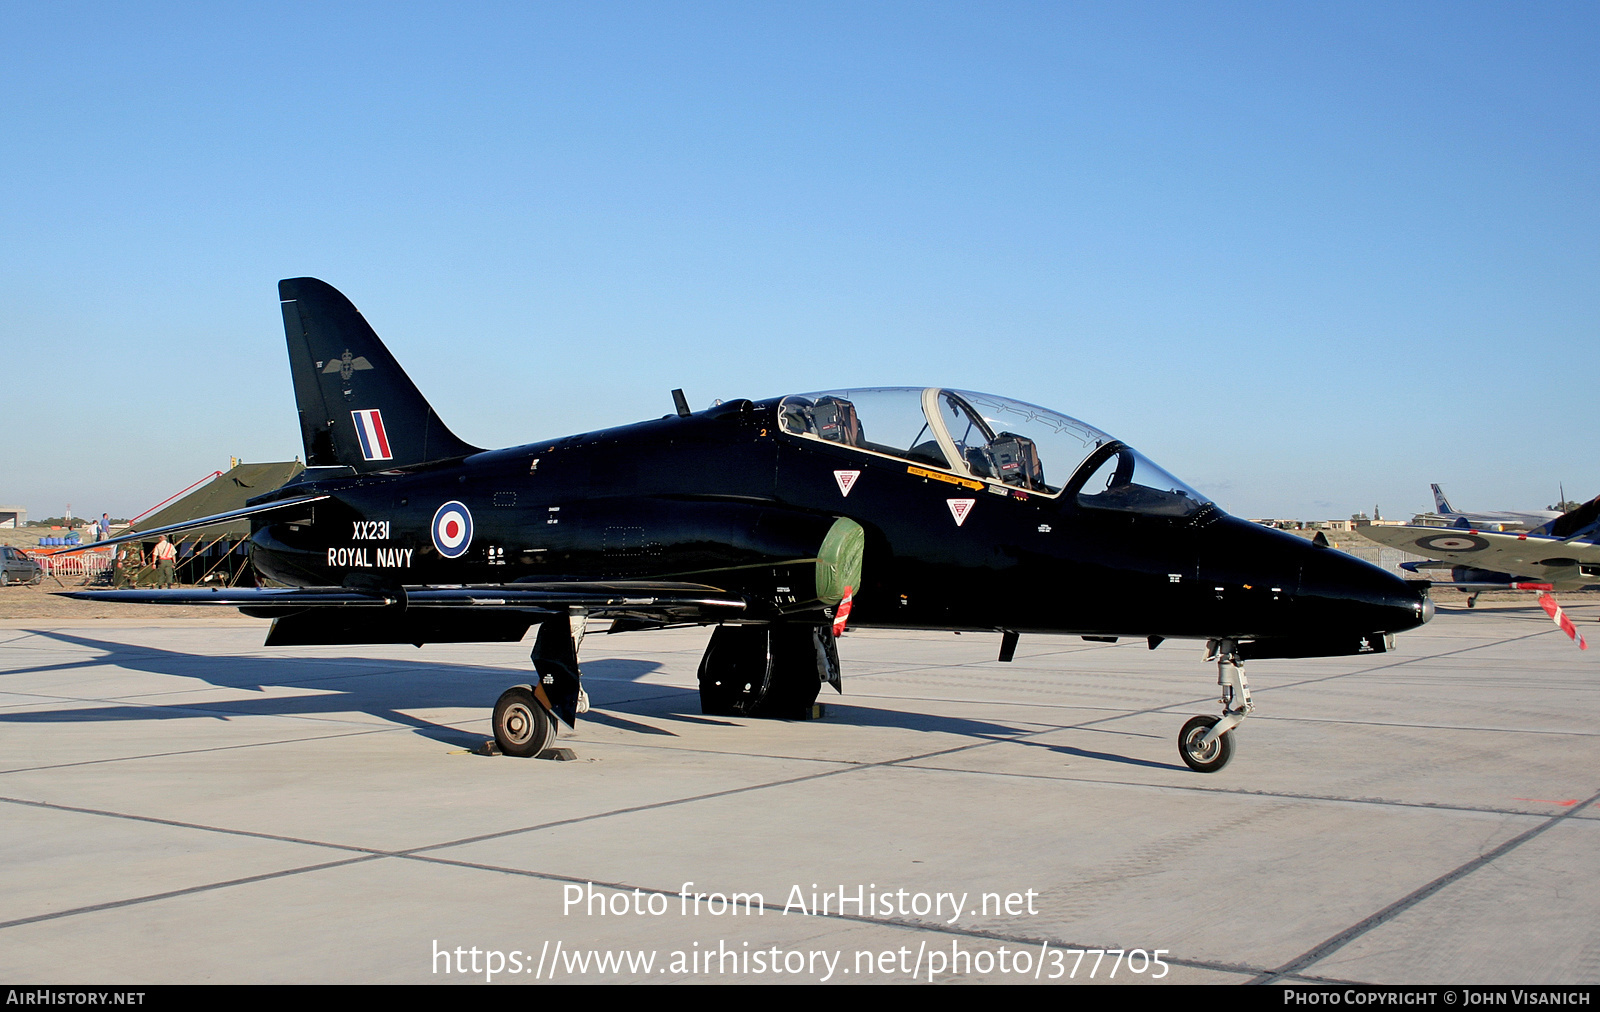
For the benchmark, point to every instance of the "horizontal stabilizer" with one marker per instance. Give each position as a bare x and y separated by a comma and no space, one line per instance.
193,525
244,597
1480,585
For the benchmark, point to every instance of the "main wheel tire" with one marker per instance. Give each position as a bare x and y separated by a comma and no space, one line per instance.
767,671
734,671
521,726
1210,758
4,578
798,663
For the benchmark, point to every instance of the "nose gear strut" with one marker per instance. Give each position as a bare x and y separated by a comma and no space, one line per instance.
1206,743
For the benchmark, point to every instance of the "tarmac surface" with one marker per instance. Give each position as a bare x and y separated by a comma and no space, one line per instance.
180,804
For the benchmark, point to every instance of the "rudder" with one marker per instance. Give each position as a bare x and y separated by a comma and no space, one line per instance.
357,406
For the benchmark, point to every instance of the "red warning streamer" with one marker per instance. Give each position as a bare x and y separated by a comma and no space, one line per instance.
841,615
1560,618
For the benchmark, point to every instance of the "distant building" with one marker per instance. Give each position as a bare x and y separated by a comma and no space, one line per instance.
13,516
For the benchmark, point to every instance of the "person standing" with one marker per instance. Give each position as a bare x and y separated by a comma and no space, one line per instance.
166,555
127,568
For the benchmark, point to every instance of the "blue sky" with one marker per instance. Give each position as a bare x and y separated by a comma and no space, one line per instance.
1307,257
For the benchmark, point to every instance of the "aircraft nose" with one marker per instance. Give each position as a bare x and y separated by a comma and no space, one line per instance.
1348,593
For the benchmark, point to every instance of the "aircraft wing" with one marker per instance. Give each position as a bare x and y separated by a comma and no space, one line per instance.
495,613
1566,563
649,600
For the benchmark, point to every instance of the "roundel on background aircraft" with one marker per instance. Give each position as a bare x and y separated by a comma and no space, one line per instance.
1453,543
452,529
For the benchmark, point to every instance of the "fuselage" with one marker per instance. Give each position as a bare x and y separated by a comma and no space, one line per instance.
735,497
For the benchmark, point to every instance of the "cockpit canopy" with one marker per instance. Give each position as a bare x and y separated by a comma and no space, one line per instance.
992,439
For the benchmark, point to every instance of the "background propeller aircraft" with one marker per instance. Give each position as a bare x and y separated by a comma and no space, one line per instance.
775,520
1563,554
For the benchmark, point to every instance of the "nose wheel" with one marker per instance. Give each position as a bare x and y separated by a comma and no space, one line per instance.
1206,743
1201,755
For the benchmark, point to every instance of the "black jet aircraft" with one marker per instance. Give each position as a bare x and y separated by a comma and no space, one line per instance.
776,521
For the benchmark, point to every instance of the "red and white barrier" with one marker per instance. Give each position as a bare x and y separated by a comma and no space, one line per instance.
85,563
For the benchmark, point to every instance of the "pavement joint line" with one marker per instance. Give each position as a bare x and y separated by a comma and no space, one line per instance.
179,824
408,853
709,796
1325,678
676,749
1475,728
284,683
1256,691
187,891
1414,660
36,698
1331,945
204,708
1303,978
416,853
1085,725
132,696
1288,970
201,751
848,701
852,768
1241,792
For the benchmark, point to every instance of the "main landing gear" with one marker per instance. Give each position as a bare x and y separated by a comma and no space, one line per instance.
1206,743
522,726
525,715
771,670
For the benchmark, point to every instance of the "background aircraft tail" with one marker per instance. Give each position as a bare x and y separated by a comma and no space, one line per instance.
357,406
1583,520
1440,503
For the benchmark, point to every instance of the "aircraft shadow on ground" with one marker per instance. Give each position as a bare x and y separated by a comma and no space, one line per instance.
672,703
380,687
386,688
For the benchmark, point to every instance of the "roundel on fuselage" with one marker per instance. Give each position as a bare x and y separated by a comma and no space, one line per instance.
452,529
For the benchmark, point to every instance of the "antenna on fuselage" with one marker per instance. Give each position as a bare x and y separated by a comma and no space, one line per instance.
682,403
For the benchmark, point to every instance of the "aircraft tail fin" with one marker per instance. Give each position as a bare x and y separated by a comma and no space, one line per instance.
357,406
1440,503
1576,523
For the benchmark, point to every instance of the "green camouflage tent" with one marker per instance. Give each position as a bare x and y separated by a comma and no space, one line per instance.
216,554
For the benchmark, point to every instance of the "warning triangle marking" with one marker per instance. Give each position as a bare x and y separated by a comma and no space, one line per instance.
959,508
846,480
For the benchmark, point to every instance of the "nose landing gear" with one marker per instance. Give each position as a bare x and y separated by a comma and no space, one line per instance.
1206,743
